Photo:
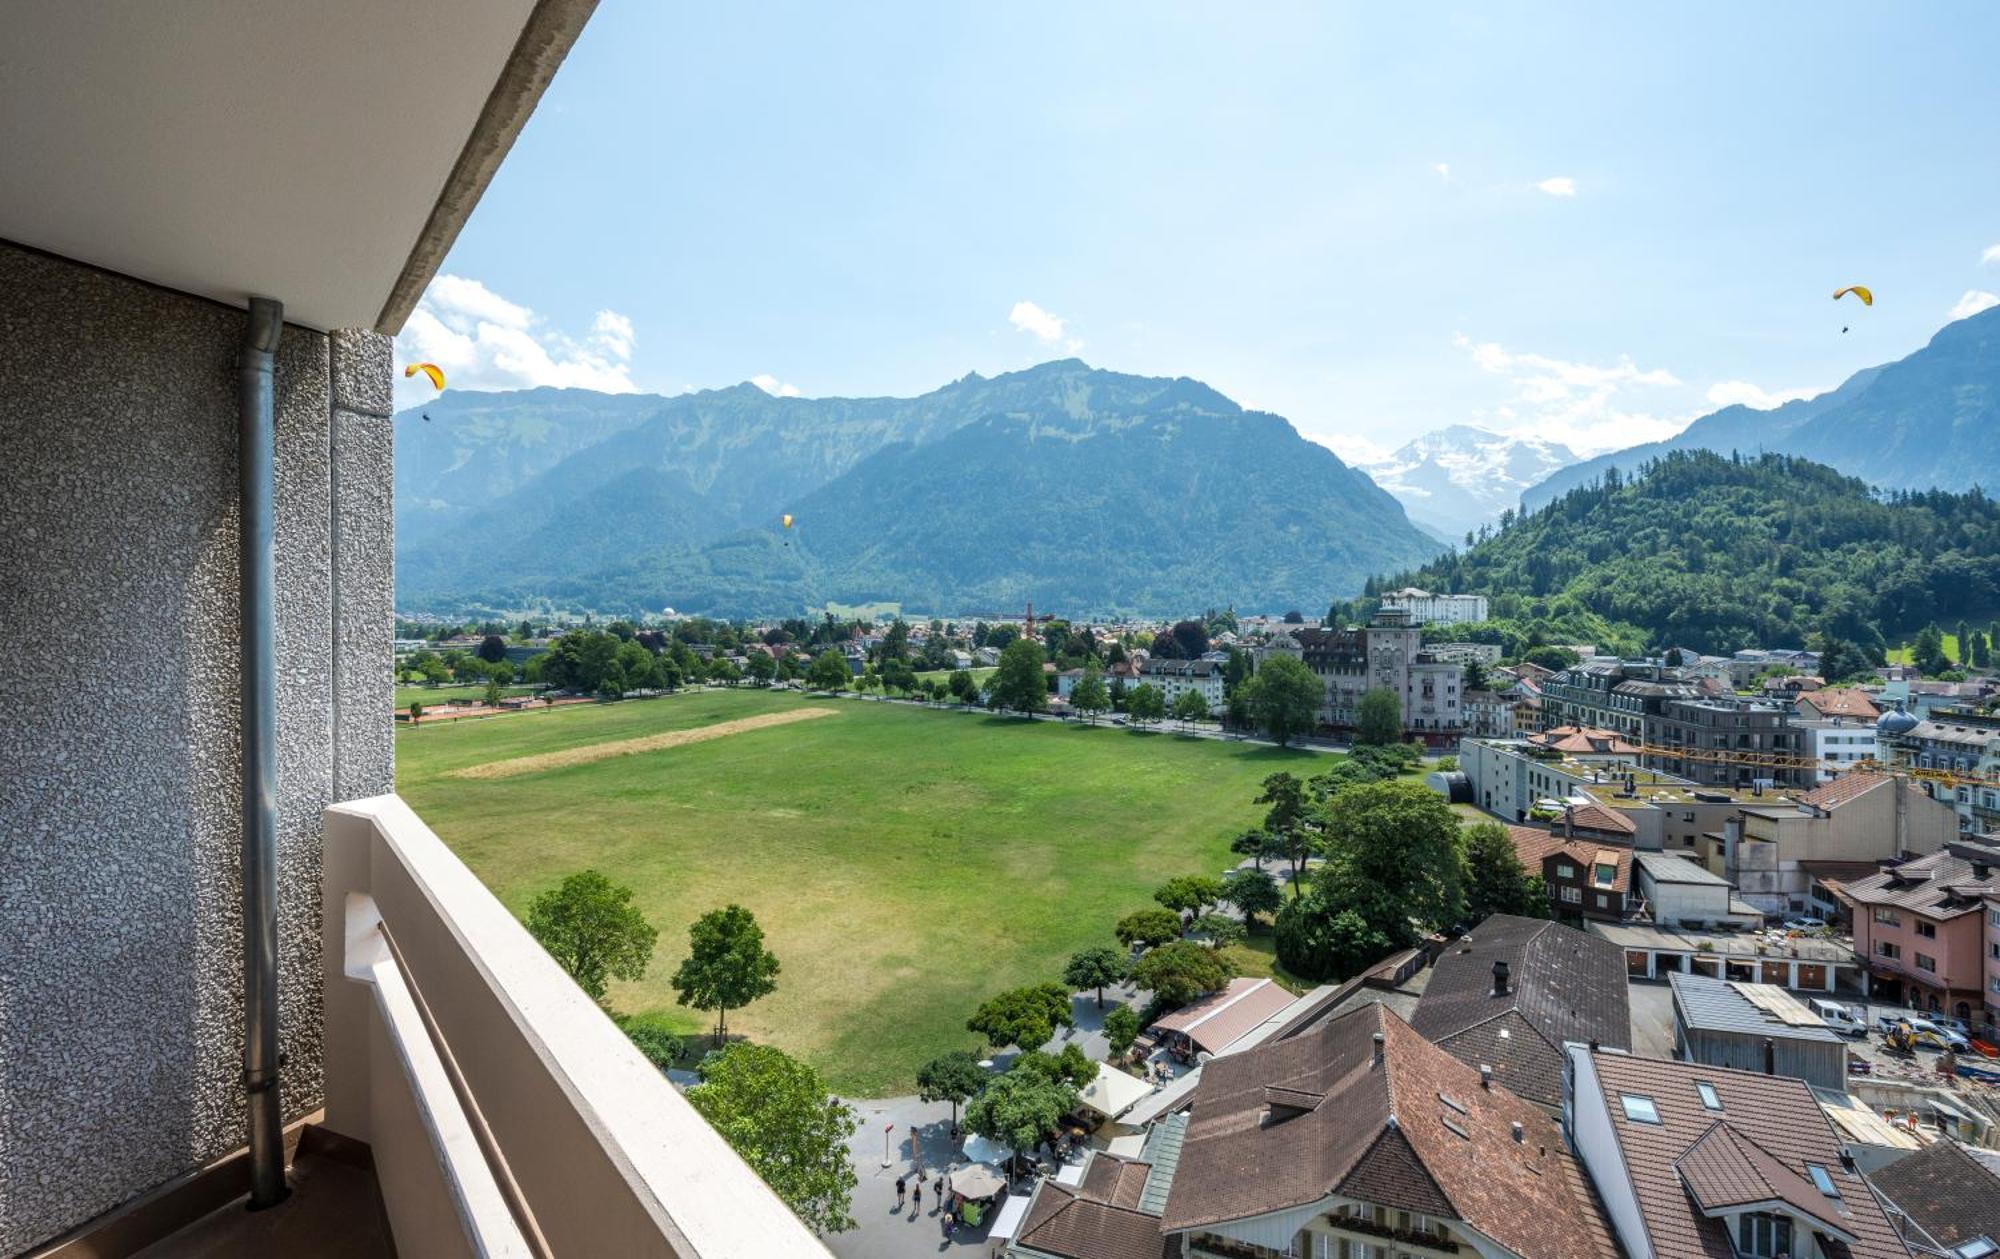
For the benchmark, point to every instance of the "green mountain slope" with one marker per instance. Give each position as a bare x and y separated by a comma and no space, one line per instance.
1716,553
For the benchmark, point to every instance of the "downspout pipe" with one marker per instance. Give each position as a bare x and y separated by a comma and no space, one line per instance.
256,475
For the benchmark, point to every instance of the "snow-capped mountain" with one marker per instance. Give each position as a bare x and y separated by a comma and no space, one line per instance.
1461,477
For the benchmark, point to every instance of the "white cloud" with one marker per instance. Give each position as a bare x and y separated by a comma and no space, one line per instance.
1729,393
1443,169
772,385
1355,449
1992,254
1585,406
484,341
1041,325
1974,301
1558,186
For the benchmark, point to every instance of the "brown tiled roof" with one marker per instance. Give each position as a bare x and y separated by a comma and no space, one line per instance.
1064,1221
1116,1181
1776,1114
1948,1193
1831,796
1940,884
1724,1168
1217,1020
1842,701
1562,984
1534,846
1413,1131
1584,741
1595,817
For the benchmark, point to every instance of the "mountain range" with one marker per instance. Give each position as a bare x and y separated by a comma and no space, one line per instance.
1456,479
1087,491
1926,421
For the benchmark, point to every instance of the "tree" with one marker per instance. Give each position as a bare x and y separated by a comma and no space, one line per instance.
1295,617
1026,1017
1070,1066
493,692
1020,1109
492,649
1393,856
776,1112
1287,819
727,966
1495,881
1928,652
1319,941
1145,704
1284,698
829,672
433,669
1090,696
1190,639
953,1078
1839,659
1259,845
1378,718
1190,707
1121,1028
416,711
1189,893
1673,659
1177,973
1550,657
1148,927
1474,678
591,928
1253,892
660,1043
761,668
1219,929
1018,683
1095,968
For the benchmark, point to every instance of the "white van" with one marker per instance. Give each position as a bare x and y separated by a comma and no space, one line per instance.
1839,1017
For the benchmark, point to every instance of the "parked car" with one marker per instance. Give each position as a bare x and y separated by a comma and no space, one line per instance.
1805,923
1839,1017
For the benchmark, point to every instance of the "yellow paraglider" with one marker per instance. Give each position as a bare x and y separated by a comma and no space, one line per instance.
431,370
1867,298
787,519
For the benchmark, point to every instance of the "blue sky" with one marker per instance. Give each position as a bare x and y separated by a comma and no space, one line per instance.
1584,222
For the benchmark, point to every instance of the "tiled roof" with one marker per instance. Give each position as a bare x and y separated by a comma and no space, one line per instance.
1841,701
1595,817
1950,1194
1724,1168
1562,984
1413,1131
1115,1180
1534,846
1066,1222
1940,884
1777,1115
1854,782
1216,1020
1584,741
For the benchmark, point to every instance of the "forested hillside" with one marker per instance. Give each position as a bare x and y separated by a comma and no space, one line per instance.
1715,553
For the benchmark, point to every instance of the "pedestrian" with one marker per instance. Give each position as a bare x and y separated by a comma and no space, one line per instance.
940,1190
901,1193
917,1199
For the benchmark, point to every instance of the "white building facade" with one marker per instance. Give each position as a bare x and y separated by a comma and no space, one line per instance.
1426,608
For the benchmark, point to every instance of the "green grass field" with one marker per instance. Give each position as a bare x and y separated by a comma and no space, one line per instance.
905,863
1907,653
440,695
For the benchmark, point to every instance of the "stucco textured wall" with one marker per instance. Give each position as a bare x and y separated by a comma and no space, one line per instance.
120,922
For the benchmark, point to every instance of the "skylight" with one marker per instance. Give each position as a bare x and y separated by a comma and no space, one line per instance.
1639,1109
1822,1181
1709,1097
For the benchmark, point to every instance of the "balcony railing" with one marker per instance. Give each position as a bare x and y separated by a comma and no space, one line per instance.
506,1113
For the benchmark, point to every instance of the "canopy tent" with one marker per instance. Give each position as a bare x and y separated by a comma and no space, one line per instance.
977,1181
980,1150
1113,1092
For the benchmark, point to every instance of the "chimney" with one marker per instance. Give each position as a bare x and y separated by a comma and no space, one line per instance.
1520,1133
1486,1075
1770,1056
1378,1049
1500,977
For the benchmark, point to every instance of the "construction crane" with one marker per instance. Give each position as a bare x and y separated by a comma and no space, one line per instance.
1756,759
1029,620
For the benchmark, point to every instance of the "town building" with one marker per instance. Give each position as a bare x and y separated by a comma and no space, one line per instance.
1425,608
1920,928
1958,743
1507,994
1465,653
1837,703
1682,728
1671,890
1774,851
1488,715
1836,743
1177,677
1944,1200
240,971
1692,1160
1386,654
1801,963
1361,1137
1585,878
1111,1211
1755,1027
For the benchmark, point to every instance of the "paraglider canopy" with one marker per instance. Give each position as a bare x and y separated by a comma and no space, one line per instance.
1860,291
431,370
786,519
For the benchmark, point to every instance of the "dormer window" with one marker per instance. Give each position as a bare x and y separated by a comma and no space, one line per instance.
1763,1235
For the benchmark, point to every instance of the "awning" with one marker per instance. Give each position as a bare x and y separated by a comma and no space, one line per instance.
1113,1092
979,1150
1007,1220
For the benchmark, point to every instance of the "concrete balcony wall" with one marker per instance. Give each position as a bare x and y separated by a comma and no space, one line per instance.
121,1012
504,1108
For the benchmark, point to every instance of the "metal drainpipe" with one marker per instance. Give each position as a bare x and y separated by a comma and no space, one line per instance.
256,476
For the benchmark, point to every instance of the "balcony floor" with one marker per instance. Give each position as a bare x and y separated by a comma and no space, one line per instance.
334,1212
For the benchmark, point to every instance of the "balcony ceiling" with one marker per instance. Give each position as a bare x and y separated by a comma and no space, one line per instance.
289,148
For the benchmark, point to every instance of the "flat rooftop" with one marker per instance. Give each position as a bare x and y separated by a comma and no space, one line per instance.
1721,1005
1736,945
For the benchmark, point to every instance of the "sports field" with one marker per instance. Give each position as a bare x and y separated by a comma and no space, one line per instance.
905,862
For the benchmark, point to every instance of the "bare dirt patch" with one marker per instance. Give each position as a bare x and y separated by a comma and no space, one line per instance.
542,762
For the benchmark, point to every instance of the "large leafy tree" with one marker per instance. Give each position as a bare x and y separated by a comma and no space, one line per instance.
727,966
1495,881
776,1112
1394,857
1177,973
1190,707
1253,892
1121,1028
1318,940
1018,684
1090,696
1025,1016
1145,704
1259,845
660,1043
1289,820
829,672
1378,718
953,1078
1284,698
1189,893
1021,1108
1148,927
592,929
1096,968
